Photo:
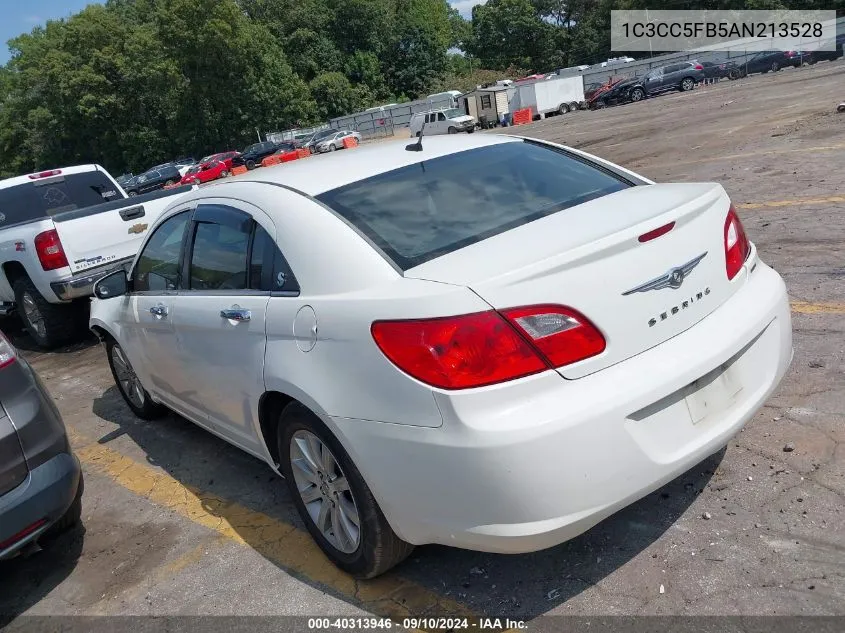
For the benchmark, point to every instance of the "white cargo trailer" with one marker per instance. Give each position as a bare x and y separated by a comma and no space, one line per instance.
550,96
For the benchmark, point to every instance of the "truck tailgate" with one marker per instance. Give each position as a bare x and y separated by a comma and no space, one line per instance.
110,232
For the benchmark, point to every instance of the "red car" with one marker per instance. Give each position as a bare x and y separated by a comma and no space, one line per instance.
225,157
205,172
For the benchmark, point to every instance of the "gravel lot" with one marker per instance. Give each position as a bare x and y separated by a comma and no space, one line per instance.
178,522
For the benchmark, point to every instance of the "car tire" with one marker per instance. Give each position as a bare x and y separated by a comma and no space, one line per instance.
49,324
224,174
563,108
841,107
250,164
378,548
637,94
73,515
775,67
139,402
131,194
332,148
169,183
574,106
452,130
687,84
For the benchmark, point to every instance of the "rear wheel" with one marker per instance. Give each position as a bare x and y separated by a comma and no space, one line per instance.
170,183
452,130
563,109
129,384
49,324
574,106
250,164
775,67
637,94
332,498
224,174
332,148
688,83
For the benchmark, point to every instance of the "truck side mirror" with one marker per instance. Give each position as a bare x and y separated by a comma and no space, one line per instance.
114,284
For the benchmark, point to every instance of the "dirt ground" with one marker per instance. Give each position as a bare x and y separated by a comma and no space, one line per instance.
178,522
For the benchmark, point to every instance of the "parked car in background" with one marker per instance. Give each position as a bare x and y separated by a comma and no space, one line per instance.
315,139
719,69
155,179
252,156
60,231
225,157
450,121
125,179
205,172
601,95
618,92
183,164
770,60
811,57
335,141
287,150
41,482
681,76
488,319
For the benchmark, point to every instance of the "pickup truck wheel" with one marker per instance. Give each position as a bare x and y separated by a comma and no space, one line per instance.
130,386
333,499
775,67
250,164
48,324
452,130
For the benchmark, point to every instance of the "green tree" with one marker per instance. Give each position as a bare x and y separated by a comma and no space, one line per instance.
511,32
334,95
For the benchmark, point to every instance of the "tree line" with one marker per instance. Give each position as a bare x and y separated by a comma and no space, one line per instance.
133,82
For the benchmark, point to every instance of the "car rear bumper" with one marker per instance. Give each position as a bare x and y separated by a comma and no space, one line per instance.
82,284
529,464
45,495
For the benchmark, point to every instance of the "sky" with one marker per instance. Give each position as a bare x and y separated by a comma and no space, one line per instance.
20,17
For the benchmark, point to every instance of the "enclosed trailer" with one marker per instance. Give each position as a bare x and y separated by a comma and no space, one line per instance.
549,96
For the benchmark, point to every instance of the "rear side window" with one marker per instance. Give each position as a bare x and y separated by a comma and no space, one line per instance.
420,212
49,196
219,257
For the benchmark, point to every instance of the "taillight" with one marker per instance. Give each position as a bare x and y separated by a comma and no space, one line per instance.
50,251
459,352
699,67
485,348
7,352
736,244
562,335
45,174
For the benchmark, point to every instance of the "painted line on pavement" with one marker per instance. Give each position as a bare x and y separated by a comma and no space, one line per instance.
284,544
789,203
806,307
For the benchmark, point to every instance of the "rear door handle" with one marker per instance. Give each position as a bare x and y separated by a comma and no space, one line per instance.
236,314
132,213
159,311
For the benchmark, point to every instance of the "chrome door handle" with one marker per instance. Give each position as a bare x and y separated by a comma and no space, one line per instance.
236,314
159,310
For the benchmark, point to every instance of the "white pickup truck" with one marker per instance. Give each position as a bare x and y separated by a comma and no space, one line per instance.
60,231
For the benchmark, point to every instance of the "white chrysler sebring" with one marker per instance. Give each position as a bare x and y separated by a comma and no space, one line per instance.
481,341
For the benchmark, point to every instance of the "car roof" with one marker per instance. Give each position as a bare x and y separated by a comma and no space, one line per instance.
318,174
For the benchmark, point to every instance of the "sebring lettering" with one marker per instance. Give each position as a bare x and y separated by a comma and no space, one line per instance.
683,305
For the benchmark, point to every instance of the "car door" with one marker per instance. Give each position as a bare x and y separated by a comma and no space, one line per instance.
653,80
669,79
220,325
148,337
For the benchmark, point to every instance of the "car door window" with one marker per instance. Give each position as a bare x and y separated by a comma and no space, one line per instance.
441,116
158,266
269,270
220,248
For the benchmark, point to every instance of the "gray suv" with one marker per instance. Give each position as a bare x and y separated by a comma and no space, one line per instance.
40,478
682,76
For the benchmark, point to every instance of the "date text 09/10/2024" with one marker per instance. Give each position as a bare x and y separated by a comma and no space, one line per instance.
429,624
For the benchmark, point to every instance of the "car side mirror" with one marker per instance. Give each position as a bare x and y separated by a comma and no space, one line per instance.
114,284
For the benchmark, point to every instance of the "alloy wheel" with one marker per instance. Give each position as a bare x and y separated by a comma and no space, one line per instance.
33,315
325,491
127,380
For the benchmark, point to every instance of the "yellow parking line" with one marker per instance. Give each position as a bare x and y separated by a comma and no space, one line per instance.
789,203
284,544
805,307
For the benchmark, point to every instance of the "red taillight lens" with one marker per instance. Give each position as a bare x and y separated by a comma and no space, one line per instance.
736,244
562,335
699,67
653,235
7,353
45,174
480,349
50,251
457,352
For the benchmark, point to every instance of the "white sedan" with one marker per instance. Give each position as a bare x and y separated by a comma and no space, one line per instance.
487,342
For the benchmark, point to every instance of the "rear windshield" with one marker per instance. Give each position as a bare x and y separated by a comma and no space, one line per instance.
420,212
49,196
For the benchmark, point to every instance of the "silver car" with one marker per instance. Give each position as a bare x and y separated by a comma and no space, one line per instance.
40,478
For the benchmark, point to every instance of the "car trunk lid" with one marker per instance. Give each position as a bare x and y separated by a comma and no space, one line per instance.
590,258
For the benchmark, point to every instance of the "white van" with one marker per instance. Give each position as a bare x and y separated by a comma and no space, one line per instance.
449,121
